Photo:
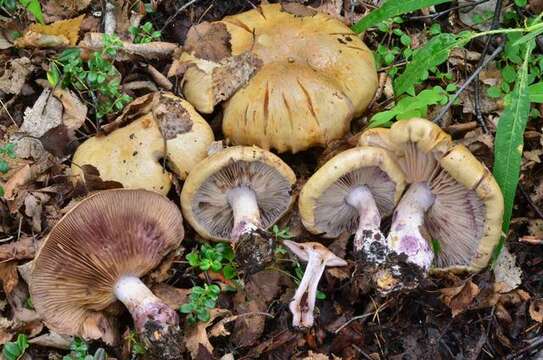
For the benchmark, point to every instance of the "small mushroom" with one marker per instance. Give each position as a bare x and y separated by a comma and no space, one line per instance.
350,193
168,128
317,257
96,255
452,200
235,192
312,76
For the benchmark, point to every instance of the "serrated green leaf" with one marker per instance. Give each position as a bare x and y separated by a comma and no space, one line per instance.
390,9
435,52
510,139
34,7
535,92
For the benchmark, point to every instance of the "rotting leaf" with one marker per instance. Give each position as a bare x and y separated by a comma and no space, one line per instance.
459,298
196,335
91,181
508,274
58,141
15,74
233,73
172,118
58,34
297,9
209,41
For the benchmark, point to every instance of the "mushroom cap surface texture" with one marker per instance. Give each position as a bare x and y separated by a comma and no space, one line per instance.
314,76
467,212
132,154
322,204
204,196
106,236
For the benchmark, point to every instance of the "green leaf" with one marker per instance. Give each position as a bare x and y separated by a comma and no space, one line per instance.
536,92
34,7
494,92
390,9
435,52
509,74
53,75
521,3
210,303
186,308
216,265
203,315
4,166
2,191
229,272
321,295
510,139
193,258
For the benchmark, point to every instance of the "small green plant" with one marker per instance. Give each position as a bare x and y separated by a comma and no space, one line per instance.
79,350
218,258
9,151
14,350
136,347
202,299
281,234
32,6
97,77
145,33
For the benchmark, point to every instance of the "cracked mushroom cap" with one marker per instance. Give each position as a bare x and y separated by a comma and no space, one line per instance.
132,154
311,76
204,196
322,203
467,212
105,236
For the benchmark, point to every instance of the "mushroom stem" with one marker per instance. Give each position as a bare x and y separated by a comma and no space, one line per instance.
143,305
246,213
405,234
369,219
302,305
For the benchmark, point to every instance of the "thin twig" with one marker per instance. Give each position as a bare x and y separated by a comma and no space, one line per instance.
530,202
7,112
445,12
170,19
477,84
533,346
469,80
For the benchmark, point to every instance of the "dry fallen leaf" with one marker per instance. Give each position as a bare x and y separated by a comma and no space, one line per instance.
196,335
508,274
536,310
459,298
209,41
15,74
58,34
54,340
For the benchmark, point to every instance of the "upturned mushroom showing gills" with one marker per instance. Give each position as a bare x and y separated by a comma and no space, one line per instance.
165,126
307,75
450,216
96,255
236,192
350,194
318,257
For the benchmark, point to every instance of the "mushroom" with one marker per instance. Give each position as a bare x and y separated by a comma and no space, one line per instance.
168,128
236,192
311,76
453,202
317,257
96,255
350,193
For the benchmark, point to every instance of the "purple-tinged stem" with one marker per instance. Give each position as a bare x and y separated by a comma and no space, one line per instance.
246,212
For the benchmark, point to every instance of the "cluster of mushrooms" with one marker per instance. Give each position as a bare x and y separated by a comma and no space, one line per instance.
312,77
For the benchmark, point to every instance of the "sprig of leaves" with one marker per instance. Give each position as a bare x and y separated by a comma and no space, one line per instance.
15,350
98,76
32,6
392,8
145,33
79,350
218,257
202,299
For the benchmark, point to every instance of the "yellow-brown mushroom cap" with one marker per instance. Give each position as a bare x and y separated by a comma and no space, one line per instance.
467,212
204,196
316,74
132,154
322,203
108,235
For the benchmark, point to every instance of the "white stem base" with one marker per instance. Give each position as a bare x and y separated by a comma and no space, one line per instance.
369,221
405,236
245,209
302,306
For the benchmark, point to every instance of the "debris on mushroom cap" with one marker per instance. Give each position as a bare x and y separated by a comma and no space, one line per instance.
317,257
312,67
109,239
241,181
464,205
165,126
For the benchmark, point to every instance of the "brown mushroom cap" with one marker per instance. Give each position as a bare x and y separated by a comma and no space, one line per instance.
467,212
109,234
322,203
204,197
131,154
316,74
